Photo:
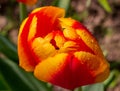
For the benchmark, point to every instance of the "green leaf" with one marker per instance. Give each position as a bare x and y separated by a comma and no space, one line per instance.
62,3
42,86
95,87
111,78
8,49
19,80
3,83
105,5
23,11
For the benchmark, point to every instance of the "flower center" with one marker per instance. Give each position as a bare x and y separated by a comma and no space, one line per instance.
53,42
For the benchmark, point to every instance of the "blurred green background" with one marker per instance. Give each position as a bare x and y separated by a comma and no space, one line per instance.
101,17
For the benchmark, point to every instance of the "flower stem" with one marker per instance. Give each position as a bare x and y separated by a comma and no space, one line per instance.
78,89
23,11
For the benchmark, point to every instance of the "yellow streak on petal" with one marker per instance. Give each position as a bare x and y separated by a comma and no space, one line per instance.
46,69
42,48
90,42
49,36
70,33
23,59
66,22
32,30
98,67
83,34
69,46
22,26
60,40
59,12
101,77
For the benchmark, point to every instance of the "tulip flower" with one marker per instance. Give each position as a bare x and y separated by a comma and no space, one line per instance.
28,2
60,50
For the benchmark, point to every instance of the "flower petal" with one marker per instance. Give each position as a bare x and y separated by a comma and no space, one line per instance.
26,60
68,58
83,33
71,71
42,49
47,16
98,67
28,2
47,68
91,42
35,26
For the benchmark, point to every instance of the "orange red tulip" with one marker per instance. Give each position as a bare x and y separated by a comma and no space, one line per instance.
60,50
28,2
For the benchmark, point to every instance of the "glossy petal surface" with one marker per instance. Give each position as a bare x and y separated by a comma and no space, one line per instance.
60,50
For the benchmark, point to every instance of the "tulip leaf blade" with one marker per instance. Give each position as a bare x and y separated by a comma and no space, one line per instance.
62,3
8,49
105,5
94,87
3,83
18,79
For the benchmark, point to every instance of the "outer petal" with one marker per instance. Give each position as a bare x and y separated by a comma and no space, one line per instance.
42,49
71,71
98,67
47,68
28,2
35,26
26,60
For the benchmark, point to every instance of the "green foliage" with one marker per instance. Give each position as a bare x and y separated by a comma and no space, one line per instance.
8,49
23,11
105,5
62,3
3,84
95,87
19,80
12,77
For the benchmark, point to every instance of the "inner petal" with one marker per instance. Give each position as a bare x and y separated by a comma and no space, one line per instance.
74,41
42,49
56,38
